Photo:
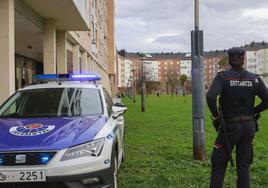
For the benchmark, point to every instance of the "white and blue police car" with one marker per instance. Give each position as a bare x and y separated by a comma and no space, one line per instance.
64,131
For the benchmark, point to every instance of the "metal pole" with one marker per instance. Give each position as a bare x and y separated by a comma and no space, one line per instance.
196,14
198,96
143,88
133,86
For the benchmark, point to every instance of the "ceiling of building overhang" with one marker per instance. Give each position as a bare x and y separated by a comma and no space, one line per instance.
28,38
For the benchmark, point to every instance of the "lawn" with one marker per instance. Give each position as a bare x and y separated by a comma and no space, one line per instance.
158,147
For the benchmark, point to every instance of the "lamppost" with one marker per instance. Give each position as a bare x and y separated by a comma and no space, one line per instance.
133,86
129,88
198,90
143,85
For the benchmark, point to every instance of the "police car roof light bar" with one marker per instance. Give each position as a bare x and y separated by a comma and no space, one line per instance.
66,77
85,77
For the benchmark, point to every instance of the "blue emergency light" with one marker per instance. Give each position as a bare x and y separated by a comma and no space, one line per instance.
45,159
66,77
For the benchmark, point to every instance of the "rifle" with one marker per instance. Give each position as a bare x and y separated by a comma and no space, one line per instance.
257,117
225,135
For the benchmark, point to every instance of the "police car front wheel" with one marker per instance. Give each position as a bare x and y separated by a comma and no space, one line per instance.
115,171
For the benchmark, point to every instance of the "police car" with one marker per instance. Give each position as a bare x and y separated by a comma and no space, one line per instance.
64,131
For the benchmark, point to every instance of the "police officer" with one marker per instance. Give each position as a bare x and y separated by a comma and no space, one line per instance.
237,89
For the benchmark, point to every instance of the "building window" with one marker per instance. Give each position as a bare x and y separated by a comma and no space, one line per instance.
69,61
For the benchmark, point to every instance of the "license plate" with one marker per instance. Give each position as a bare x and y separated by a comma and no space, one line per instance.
22,176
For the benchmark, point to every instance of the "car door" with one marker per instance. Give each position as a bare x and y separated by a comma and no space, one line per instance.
118,123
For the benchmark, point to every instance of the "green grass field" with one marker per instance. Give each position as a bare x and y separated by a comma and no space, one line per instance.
158,147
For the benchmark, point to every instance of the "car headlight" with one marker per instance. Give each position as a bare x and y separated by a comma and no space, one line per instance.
92,148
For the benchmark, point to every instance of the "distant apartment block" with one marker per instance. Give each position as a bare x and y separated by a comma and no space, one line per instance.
160,66
186,67
168,67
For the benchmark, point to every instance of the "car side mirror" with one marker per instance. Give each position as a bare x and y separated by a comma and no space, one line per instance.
118,111
119,104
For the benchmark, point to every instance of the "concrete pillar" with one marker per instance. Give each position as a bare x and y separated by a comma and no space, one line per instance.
88,63
49,47
91,65
76,60
29,67
61,45
7,49
84,62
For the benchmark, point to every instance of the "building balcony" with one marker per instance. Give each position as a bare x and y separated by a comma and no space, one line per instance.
69,15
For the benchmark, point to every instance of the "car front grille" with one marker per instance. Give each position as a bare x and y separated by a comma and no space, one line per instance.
25,158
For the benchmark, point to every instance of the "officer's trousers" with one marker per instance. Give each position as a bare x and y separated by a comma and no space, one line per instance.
241,135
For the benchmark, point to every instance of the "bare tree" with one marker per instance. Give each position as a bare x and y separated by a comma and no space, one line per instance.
172,80
183,80
223,63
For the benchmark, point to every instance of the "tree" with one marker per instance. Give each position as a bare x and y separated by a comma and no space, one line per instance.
151,86
122,52
172,81
183,79
223,63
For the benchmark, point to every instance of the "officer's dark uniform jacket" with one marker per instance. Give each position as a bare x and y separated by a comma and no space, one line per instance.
237,91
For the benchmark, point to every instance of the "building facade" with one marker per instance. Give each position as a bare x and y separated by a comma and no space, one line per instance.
211,68
150,68
170,66
186,67
263,64
75,36
251,61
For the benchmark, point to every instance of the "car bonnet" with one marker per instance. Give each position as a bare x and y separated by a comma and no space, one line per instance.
48,133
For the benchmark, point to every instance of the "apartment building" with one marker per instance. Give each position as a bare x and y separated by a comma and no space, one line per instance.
175,64
186,66
251,61
211,65
168,66
156,67
263,64
55,36
150,68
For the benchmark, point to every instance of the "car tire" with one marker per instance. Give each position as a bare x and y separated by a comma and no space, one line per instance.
115,171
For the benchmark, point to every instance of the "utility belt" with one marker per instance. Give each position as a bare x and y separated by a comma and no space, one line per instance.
240,119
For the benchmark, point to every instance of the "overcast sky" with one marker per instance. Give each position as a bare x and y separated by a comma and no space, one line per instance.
165,25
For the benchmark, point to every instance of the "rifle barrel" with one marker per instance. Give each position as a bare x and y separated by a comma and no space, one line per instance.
227,142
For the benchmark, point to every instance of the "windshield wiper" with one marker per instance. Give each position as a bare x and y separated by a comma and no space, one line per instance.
11,116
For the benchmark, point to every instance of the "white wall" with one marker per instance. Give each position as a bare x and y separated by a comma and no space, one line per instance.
151,69
252,62
263,64
127,73
186,67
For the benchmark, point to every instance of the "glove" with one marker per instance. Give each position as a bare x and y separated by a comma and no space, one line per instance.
216,123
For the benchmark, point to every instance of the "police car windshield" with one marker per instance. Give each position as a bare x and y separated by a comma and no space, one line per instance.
53,102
